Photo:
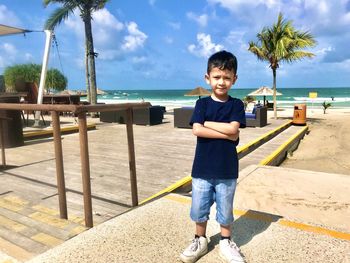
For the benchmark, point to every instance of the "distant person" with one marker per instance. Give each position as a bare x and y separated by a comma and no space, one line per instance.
216,121
142,100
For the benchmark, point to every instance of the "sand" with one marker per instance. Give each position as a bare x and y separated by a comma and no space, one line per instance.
327,147
297,191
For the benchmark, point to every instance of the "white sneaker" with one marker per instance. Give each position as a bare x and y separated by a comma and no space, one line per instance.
230,251
195,250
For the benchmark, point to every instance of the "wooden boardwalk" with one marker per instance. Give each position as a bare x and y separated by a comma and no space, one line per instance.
28,194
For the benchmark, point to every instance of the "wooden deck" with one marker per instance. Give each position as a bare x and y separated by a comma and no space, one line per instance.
28,194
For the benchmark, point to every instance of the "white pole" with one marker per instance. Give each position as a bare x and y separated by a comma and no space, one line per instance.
43,74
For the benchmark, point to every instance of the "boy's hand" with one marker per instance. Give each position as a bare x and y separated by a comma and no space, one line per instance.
234,137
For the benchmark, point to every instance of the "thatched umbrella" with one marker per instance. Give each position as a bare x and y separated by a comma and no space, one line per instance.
101,92
264,91
199,91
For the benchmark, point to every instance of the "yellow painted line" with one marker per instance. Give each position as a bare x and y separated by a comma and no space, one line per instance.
170,188
76,219
10,206
273,155
45,210
315,229
50,220
8,261
14,251
11,225
274,218
77,230
179,199
47,240
16,200
246,146
29,134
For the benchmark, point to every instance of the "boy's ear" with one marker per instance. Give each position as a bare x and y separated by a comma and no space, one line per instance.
206,77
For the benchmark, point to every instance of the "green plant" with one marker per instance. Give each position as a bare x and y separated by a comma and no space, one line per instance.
16,76
281,42
247,99
325,106
86,9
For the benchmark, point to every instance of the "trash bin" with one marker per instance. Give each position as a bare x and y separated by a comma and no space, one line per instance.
299,117
12,123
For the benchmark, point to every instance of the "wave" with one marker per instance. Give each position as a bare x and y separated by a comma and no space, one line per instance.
322,99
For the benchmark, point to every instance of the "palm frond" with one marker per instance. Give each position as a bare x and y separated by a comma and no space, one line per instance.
58,16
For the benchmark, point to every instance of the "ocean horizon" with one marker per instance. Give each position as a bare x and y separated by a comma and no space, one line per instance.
338,97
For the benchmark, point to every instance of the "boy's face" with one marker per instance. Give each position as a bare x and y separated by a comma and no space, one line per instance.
220,81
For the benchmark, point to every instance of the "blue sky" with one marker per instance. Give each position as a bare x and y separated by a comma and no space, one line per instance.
164,44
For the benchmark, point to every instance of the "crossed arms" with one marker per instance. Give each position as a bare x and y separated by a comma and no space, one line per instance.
217,130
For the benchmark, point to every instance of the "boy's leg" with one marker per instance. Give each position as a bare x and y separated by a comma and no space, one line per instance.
201,229
225,190
202,200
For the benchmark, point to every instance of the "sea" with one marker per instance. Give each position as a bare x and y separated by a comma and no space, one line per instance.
338,97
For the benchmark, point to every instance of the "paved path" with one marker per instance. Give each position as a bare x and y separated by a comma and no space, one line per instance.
158,231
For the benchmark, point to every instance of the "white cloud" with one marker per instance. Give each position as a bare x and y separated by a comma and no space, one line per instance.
135,39
7,16
9,49
175,25
205,46
168,40
152,2
201,20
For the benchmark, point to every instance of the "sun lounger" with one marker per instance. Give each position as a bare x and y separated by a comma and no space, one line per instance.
147,116
258,118
182,117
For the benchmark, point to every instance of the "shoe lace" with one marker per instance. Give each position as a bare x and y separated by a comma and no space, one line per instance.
195,244
233,245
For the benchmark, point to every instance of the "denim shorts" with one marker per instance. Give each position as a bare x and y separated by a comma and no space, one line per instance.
207,191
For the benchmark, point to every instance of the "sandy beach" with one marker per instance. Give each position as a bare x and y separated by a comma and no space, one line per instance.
327,147
320,198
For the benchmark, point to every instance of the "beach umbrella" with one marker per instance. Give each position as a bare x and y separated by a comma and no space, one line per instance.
264,91
199,91
101,92
67,92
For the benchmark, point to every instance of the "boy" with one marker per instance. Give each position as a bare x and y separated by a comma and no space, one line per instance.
216,121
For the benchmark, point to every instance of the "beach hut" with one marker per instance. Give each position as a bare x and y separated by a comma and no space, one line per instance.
199,91
264,91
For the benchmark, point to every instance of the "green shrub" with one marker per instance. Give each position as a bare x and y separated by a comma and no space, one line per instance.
16,76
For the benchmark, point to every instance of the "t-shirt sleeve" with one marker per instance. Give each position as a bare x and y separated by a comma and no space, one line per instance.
198,115
238,113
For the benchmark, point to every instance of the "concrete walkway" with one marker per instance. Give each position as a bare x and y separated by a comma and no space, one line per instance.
159,230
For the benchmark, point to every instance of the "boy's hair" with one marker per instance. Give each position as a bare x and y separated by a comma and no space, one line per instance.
223,60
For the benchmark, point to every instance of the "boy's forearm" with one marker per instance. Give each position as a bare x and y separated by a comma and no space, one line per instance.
205,132
222,127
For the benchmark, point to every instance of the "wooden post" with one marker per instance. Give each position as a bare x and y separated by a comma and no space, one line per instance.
132,162
85,169
61,187
2,145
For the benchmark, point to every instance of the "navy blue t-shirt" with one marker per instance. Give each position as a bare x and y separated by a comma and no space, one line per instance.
217,158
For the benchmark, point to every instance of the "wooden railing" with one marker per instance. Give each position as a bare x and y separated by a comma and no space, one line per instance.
80,111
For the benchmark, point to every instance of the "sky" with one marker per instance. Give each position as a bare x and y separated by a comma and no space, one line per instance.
165,44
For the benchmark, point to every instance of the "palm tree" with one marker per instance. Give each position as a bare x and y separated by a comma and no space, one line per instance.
281,42
86,8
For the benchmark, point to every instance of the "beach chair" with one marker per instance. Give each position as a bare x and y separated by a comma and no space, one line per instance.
182,117
257,118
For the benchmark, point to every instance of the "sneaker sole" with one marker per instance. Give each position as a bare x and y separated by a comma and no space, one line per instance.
194,259
231,261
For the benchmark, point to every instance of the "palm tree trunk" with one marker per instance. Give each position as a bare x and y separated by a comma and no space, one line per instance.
91,56
87,73
274,94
